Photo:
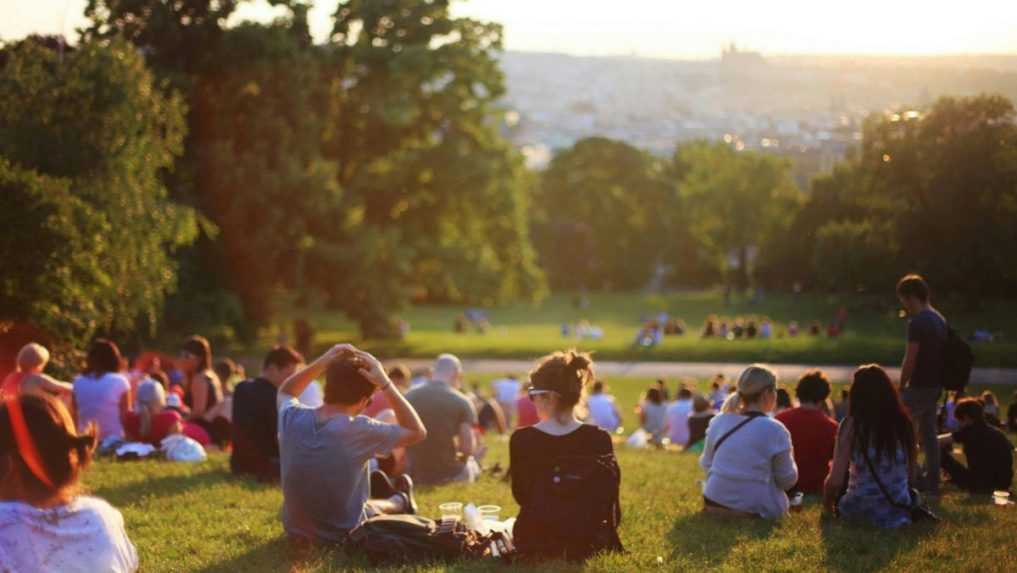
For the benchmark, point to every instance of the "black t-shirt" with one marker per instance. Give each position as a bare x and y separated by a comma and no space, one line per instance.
255,429
928,329
990,456
531,450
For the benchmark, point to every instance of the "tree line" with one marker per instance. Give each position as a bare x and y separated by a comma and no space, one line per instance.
171,171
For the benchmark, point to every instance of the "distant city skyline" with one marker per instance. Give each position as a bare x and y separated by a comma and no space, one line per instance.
666,28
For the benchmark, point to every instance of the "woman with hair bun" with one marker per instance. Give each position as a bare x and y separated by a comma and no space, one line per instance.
747,455
45,525
564,473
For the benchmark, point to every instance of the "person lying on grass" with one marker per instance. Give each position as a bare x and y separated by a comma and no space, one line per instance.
45,525
747,455
875,451
989,453
324,452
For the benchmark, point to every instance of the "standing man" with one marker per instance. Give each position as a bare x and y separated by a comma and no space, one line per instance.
449,417
921,377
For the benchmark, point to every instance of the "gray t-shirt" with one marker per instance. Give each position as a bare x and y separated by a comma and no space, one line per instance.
928,329
442,410
325,479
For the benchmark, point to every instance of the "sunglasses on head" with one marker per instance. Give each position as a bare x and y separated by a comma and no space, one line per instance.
533,393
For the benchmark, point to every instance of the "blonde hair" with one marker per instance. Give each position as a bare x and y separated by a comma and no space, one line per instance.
753,382
31,356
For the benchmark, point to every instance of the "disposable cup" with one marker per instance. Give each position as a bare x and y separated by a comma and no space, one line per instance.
490,512
451,510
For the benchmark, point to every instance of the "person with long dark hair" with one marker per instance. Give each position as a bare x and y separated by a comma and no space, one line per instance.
102,394
202,388
874,454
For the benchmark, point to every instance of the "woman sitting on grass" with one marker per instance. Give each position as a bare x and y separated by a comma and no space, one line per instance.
44,524
653,416
102,395
747,456
203,390
874,453
564,473
153,421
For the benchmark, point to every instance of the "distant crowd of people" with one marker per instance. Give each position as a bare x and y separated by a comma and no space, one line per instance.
347,440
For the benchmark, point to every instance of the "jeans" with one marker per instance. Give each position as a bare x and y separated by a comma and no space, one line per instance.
924,404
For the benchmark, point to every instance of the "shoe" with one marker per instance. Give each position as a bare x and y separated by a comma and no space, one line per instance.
381,486
404,485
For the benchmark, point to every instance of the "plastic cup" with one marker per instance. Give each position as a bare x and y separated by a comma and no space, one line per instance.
1001,497
490,512
451,510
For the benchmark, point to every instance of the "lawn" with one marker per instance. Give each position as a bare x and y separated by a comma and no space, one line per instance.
197,518
874,332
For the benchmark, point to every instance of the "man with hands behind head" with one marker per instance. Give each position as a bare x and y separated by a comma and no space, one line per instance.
324,451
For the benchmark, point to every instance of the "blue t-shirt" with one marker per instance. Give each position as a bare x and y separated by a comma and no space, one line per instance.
928,329
324,469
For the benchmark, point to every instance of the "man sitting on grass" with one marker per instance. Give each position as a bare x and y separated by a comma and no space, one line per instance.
325,451
450,418
813,433
988,452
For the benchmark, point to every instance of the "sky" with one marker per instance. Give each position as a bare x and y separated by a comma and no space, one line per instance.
670,28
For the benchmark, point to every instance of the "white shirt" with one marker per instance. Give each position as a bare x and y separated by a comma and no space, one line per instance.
506,390
98,400
602,412
85,535
312,396
678,420
752,469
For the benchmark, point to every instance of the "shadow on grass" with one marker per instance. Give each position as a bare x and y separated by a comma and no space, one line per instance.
275,555
707,539
171,485
853,546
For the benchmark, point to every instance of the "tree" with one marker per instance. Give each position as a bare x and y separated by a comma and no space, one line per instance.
599,216
736,203
85,135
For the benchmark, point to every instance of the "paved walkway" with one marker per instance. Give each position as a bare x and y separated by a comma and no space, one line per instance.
701,370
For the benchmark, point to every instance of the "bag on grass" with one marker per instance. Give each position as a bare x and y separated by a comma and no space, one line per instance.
574,511
180,448
413,539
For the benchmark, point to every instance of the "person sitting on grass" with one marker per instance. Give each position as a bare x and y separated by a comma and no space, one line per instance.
602,409
450,418
45,525
102,395
28,375
255,425
152,421
698,422
991,408
653,416
875,452
203,390
747,455
578,516
988,452
678,416
324,451
813,432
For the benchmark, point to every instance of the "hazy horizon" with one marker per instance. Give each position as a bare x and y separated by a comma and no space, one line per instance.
665,30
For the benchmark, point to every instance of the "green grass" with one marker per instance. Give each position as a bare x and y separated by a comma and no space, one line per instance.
874,332
198,518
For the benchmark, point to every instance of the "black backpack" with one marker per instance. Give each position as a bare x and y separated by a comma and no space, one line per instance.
958,360
388,539
574,511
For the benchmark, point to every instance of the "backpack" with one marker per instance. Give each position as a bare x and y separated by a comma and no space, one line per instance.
387,539
958,360
574,511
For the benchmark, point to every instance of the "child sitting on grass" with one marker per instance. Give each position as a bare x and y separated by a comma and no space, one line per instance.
988,451
28,375
45,525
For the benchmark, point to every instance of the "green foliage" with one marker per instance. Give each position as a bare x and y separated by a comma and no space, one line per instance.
737,203
86,135
599,216
858,255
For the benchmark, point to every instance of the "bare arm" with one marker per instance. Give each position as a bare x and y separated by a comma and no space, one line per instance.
841,462
413,428
299,380
54,386
907,369
467,441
